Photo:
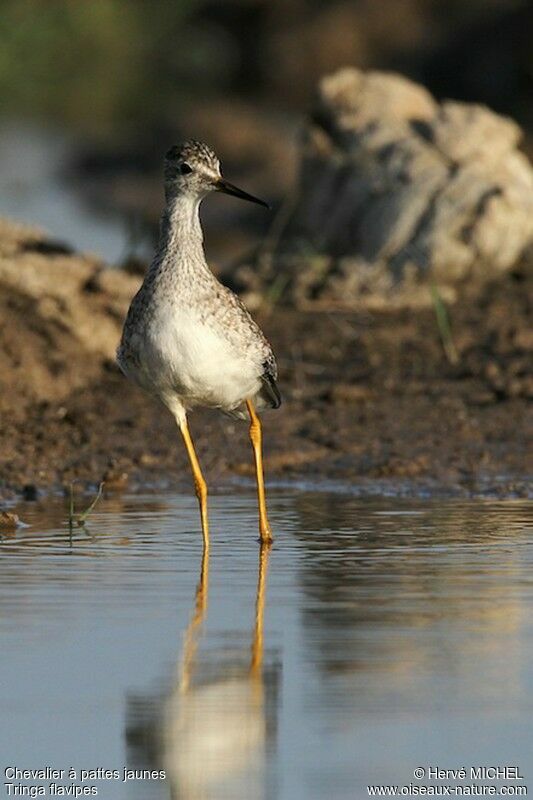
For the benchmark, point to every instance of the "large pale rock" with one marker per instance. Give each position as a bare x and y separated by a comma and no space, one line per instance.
398,190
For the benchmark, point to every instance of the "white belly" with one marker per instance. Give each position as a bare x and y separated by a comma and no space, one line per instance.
183,357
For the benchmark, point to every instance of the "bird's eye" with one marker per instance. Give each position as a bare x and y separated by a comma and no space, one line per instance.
185,169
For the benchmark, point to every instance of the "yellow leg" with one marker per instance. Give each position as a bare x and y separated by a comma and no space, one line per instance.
256,438
199,482
257,643
191,634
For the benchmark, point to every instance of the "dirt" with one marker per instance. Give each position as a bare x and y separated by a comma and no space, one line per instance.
370,399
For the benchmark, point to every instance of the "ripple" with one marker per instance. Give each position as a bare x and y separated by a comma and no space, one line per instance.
388,630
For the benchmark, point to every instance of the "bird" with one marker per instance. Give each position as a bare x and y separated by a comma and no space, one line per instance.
187,339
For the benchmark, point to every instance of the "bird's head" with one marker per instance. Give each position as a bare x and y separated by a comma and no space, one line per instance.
192,168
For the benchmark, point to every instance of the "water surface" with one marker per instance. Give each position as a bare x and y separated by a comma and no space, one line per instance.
34,190
376,636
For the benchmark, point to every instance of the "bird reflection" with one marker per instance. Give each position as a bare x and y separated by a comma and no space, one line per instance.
191,634
213,728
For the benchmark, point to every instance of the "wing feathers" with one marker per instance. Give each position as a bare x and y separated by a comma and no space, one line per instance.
270,386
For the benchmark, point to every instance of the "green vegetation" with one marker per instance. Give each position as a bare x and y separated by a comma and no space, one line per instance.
81,519
94,63
443,324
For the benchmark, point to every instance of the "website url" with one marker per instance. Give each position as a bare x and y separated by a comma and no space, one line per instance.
469,790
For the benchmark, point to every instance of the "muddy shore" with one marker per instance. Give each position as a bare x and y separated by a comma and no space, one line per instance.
370,399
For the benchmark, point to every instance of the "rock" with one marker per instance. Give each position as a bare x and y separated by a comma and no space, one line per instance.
30,492
403,191
9,521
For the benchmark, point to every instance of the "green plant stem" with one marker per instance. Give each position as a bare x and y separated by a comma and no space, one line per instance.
443,324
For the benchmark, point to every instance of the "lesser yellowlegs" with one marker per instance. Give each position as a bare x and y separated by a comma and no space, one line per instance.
188,339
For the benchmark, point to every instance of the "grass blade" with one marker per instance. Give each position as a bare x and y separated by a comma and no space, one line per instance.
443,324
82,517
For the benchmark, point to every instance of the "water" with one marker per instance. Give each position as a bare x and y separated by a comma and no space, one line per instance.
32,190
375,637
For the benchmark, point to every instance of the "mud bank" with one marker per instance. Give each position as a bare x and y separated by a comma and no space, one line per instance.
369,398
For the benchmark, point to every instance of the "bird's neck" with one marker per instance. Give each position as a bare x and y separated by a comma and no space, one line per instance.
180,245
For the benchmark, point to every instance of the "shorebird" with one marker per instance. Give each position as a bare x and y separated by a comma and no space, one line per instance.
188,339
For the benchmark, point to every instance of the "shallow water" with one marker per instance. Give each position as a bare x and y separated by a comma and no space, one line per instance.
375,637
34,190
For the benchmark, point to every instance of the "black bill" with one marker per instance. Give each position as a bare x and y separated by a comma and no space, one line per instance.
228,188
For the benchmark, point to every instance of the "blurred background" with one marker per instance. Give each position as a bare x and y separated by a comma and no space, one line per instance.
92,94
